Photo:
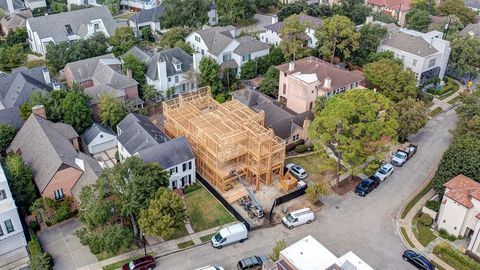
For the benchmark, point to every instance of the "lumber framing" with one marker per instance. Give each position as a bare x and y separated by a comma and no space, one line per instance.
228,139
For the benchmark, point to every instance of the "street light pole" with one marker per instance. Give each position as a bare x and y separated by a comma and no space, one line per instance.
144,245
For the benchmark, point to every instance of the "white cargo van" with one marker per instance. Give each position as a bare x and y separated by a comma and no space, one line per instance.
229,235
210,267
298,217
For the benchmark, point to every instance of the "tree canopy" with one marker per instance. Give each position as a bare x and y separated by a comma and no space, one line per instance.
337,36
165,213
370,37
292,31
390,79
458,8
20,180
229,11
190,13
465,56
358,122
122,40
418,20
7,133
172,36
137,67
111,110
412,117
269,85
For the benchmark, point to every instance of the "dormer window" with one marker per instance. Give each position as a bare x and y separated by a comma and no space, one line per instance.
178,67
69,30
96,26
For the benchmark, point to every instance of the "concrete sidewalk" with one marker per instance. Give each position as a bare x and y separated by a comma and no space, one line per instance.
158,250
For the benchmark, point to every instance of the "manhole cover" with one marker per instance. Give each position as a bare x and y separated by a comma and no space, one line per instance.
337,207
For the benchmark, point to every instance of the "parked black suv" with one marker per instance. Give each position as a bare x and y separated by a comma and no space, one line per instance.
417,260
251,263
367,185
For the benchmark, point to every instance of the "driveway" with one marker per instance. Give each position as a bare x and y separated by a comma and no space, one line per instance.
65,248
365,226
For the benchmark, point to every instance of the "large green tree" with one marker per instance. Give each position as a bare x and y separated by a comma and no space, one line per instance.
7,133
292,43
132,183
337,36
370,37
20,180
357,122
269,85
458,8
111,110
266,4
418,20
172,36
209,71
412,117
190,13
122,40
389,78
230,11
465,56
137,67
248,70
77,110
165,214
12,57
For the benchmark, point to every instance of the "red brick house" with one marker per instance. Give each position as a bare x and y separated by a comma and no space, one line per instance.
103,75
51,150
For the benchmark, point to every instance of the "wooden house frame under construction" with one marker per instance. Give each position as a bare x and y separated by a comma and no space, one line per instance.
228,139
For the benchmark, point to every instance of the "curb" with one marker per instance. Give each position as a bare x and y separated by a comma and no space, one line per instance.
180,250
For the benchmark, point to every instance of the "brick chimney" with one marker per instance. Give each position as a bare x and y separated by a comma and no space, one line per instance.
129,73
40,111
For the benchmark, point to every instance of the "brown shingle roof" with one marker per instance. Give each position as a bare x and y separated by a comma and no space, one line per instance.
462,189
322,69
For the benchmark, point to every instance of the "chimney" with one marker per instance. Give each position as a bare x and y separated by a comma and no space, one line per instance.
328,82
46,75
162,73
431,41
369,19
10,8
389,35
129,73
274,19
40,111
291,66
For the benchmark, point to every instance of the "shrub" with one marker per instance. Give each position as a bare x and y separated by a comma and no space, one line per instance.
426,220
454,257
39,260
445,235
434,205
300,148
191,188
34,225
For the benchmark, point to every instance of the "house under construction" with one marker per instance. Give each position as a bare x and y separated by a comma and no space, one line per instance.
228,139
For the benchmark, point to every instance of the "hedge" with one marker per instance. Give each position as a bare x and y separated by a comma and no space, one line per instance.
426,220
300,148
454,257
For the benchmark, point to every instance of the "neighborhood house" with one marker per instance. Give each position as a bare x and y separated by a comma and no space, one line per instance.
273,34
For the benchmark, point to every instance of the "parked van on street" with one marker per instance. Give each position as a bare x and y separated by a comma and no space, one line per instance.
298,217
230,235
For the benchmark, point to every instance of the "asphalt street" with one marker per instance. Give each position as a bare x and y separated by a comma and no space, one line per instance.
365,226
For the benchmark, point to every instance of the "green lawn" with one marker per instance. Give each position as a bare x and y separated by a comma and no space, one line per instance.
185,244
415,200
453,100
181,232
404,233
205,211
316,165
445,91
206,238
423,233
435,112
455,258
105,255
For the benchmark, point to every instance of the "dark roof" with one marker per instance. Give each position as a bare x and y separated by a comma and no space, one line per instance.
249,44
54,25
278,117
322,69
138,132
139,54
17,4
170,56
471,29
169,153
147,15
91,172
314,23
216,38
44,147
92,132
11,116
16,87
472,3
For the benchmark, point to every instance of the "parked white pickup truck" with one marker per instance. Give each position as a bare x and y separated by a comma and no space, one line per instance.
404,154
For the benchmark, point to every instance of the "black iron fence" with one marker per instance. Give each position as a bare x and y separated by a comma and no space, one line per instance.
287,197
222,200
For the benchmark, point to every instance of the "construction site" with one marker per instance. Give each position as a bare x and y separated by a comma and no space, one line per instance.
228,139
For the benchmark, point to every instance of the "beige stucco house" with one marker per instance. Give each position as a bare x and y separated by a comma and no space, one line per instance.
302,81
459,212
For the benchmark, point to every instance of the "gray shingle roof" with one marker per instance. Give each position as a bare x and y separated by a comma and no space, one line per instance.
11,116
17,4
91,171
44,148
313,21
168,154
249,44
148,15
15,20
54,25
138,132
16,87
170,56
473,28
216,38
92,132
409,43
278,117
139,54
472,3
